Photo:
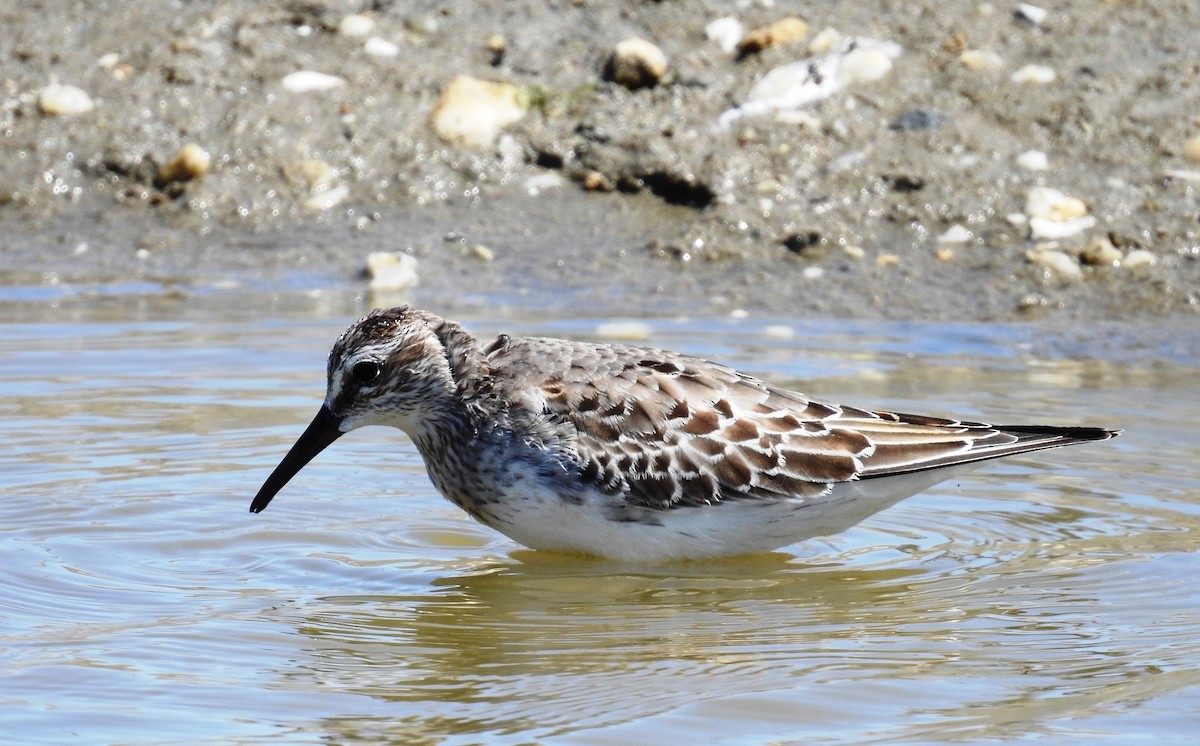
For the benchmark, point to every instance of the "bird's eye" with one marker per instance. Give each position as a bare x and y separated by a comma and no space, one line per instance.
366,371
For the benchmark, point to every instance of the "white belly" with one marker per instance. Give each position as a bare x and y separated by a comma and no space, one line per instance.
540,519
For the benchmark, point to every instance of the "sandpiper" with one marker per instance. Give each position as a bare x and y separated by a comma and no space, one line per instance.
629,452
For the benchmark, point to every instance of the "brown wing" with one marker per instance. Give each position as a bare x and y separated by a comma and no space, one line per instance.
666,430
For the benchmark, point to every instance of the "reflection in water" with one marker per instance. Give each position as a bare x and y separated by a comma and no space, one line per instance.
1050,596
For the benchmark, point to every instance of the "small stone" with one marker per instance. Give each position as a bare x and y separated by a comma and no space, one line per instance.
914,120
944,255
64,100
326,199
779,331
422,23
313,174
1031,14
1035,74
887,260
391,270
495,43
307,81
377,47
1191,149
784,31
481,252
824,41
854,252
980,59
191,162
1044,202
356,24
1032,302
636,63
1058,263
1047,229
472,111
956,234
866,65
594,181
539,183
1101,252
1139,258
813,273
1033,160
726,32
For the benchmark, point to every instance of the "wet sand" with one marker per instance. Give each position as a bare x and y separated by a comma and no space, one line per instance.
898,197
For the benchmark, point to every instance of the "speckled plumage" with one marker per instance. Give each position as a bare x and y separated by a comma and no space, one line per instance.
631,452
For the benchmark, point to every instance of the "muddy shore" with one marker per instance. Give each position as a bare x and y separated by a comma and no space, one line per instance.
906,195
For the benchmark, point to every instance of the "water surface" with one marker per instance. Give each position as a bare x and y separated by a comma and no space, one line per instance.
1049,597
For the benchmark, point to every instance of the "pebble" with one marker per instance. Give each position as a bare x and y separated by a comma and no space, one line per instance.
1191,149
1033,160
854,252
636,63
784,31
480,252
779,331
306,81
956,234
1031,14
313,173
1044,202
377,47
866,65
980,59
813,273
1045,229
824,41
1035,74
1139,258
191,162
472,112
356,24
422,23
887,260
1101,252
1060,264
57,99
497,45
915,120
392,271
539,183
726,32
325,199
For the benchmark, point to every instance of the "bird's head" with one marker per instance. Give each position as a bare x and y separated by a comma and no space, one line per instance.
392,367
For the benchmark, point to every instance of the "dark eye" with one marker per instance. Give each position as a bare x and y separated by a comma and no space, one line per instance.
366,371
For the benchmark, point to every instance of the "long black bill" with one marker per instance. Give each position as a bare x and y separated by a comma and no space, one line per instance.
323,430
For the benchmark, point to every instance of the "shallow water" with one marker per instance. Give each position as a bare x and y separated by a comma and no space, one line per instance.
1050,597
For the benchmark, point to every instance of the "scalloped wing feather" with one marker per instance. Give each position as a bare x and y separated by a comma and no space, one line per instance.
664,430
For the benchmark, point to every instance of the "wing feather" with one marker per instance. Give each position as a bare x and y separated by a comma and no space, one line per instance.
663,430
